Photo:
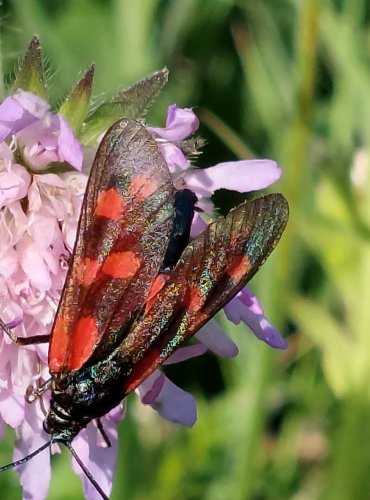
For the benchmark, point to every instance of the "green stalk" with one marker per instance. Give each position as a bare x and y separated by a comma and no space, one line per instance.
246,466
278,280
348,476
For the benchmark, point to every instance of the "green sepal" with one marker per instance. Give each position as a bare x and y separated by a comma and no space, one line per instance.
131,102
76,106
30,75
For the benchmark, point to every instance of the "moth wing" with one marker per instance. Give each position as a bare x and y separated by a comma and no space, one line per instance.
123,232
212,269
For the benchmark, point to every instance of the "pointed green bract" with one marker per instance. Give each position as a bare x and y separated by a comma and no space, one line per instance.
30,75
129,103
76,106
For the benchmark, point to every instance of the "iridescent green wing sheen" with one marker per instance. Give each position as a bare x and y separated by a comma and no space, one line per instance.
212,269
124,228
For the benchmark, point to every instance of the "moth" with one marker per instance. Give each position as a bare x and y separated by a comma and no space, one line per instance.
138,287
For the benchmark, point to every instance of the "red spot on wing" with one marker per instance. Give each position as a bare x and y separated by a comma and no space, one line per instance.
156,287
85,336
239,268
123,265
141,371
58,345
87,271
110,204
195,300
142,187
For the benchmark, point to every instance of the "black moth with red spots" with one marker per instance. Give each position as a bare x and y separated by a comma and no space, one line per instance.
137,288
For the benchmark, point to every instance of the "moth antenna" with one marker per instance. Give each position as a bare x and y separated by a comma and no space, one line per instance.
86,470
25,459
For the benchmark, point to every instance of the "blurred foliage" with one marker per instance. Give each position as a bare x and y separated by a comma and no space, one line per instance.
286,79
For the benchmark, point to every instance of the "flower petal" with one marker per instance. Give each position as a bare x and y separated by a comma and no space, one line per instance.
175,404
175,158
212,336
180,123
246,308
242,176
149,390
198,225
69,148
14,184
20,110
185,353
36,473
96,456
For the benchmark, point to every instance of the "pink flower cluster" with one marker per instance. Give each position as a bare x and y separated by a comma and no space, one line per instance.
38,220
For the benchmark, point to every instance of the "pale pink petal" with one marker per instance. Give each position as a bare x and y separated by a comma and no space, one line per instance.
206,205
13,225
36,473
249,300
14,323
8,262
175,158
180,123
96,456
43,229
246,308
242,176
185,353
149,390
48,141
175,404
212,336
198,225
19,111
76,182
11,408
14,184
32,103
6,154
33,264
69,148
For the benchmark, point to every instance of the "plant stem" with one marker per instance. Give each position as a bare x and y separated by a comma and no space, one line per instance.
348,476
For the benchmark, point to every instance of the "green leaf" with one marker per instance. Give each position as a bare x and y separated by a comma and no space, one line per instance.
76,106
30,75
129,103
334,341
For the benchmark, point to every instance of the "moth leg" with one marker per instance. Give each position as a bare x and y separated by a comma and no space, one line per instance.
36,339
103,433
33,394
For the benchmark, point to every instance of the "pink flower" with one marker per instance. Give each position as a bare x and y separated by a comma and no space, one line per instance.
38,220
55,143
180,123
42,137
20,110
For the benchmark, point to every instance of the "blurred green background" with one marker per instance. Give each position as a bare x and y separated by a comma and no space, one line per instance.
285,79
